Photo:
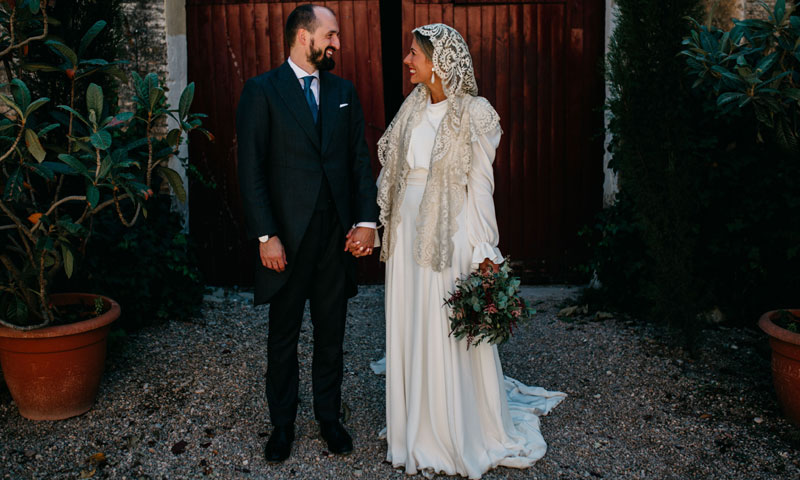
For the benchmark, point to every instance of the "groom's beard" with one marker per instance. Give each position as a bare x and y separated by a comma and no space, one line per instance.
318,58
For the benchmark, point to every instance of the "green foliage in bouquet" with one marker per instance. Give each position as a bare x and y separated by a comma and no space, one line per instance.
487,306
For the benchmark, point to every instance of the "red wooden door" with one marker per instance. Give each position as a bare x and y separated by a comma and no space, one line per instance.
230,41
538,62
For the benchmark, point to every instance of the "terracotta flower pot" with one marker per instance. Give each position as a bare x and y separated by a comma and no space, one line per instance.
785,364
54,372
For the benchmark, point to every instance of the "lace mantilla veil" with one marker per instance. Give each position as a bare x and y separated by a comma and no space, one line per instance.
468,117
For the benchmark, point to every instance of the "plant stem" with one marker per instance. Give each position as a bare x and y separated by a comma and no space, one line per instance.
16,141
42,36
17,221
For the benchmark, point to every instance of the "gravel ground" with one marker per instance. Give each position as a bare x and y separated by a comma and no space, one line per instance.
186,400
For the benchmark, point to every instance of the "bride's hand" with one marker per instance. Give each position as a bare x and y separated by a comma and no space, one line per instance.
488,266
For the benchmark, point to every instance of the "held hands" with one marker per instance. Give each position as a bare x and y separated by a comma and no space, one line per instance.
360,241
488,266
273,256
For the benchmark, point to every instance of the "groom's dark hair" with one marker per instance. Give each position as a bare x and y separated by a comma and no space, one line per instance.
301,17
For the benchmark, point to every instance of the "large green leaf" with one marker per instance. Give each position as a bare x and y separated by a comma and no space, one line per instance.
155,95
13,187
47,129
89,36
69,260
64,51
92,195
43,170
39,67
729,97
767,62
117,73
174,179
780,10
76,164
117,120
73,228
105,166
209,135
174,137
16,311
36,104
94,99
101,139
57,167
75,113
95,62
21,93
11,103
34,146
138,84
186,100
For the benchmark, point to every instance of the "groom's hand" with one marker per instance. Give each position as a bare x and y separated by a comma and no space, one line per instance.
360,241
273,256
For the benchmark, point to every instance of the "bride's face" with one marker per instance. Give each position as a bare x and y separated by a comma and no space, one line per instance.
419,66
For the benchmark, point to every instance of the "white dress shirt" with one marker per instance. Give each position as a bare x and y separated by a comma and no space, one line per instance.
300,73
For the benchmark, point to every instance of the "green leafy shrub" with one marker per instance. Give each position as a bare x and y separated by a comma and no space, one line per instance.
618,259
150,268
709,209
655,150
749,78
64,164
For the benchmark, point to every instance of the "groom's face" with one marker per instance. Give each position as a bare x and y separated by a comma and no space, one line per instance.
324,41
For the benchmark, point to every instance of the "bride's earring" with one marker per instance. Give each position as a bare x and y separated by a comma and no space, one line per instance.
433,77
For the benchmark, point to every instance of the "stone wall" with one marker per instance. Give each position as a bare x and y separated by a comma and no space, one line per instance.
720,12
754,9
144,29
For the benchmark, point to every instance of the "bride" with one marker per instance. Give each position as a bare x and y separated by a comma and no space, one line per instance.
448,409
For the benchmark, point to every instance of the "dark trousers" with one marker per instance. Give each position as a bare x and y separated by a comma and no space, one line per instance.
318,274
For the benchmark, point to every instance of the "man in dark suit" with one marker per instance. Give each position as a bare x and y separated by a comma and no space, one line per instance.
305,179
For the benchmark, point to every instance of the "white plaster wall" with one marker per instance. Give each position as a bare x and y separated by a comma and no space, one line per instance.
177,67
611,180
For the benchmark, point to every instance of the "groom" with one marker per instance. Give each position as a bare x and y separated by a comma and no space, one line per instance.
305,180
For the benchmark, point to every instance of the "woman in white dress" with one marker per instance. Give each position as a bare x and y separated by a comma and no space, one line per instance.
448,409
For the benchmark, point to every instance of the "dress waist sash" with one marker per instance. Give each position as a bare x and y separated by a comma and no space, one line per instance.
417,176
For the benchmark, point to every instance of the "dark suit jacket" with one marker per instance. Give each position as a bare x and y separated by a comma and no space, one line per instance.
283,157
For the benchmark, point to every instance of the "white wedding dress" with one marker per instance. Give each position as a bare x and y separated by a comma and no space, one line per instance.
448,409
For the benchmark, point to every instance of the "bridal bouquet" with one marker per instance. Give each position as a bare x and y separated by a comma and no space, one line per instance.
487,306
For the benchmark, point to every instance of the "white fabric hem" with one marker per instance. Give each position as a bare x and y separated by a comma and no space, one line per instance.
485,250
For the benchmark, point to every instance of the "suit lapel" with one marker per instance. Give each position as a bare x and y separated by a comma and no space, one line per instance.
289,88
329,107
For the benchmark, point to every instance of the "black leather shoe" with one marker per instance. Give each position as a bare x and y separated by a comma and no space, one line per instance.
279,445
339,441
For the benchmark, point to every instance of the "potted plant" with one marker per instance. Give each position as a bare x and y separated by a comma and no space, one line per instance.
59,166
754,70
783,328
